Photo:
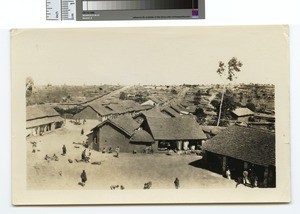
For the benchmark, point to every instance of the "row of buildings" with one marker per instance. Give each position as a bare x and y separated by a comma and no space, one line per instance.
146,132
254,119
99,111
235,147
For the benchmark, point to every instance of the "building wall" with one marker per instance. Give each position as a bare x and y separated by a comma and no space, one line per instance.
45,128
87,113
141,146
109,136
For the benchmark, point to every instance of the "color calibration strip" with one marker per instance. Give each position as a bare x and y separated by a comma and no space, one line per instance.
139,5
96,10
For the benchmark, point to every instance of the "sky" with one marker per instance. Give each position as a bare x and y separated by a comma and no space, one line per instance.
152,55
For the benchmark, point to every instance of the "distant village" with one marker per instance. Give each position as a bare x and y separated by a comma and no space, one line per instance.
231,128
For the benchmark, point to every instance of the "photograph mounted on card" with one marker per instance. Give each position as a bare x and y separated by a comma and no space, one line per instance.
157,115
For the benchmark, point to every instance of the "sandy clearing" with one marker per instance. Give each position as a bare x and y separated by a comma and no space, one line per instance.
129,170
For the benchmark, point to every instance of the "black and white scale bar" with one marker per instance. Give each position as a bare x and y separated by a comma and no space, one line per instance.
60,9
68,10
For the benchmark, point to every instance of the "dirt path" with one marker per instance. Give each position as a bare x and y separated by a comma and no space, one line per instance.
111,94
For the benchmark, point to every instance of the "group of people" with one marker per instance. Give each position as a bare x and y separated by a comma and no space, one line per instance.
248,178
117,150
113,187
54,157
34,146
109,150
149,184
86,157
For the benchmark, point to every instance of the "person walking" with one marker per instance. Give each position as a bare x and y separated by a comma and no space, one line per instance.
117,151
83,155
83,177
176,182
64,150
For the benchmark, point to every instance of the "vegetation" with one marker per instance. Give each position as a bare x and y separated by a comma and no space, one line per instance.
227,106
229,72
200,115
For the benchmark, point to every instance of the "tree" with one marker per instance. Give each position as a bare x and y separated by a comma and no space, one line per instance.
200,115
229,73
173,91
29,86
227,106
122,96
197,97
250,106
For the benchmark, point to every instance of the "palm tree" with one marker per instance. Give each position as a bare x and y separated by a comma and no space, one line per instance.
229,73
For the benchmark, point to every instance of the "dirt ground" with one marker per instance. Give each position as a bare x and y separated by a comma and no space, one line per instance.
129,170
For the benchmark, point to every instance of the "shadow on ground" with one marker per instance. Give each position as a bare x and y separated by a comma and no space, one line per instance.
202,164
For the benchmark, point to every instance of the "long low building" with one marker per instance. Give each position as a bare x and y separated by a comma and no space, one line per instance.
99,111
175,133
41,119
240,148
153,133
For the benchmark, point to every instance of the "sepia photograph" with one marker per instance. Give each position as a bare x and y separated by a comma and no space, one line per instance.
158,115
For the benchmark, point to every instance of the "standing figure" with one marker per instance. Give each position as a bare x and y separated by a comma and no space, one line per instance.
176,182
64,150
33,147
83,177
82,131
83,156
117,151
246,178
228,173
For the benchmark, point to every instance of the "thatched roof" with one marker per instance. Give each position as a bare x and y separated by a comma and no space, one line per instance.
156,100
120,107
100,109
154,112
175,129
248,144
40,111
213,129
242,112
43,121
124,123
263,115
170,111
142,136
191,109
126,106
178,108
